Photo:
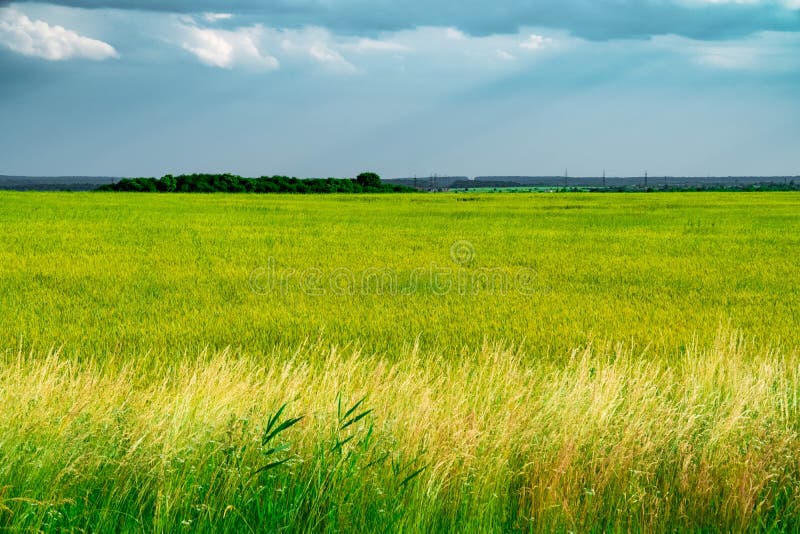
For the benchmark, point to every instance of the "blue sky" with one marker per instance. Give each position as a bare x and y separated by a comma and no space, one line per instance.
334,87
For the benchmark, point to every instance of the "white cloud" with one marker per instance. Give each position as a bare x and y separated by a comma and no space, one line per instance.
454,34
505,55
36,38
376,45
316,45
228,48
727,57
247,47
535,42
436,48
765,51
327,56
216,17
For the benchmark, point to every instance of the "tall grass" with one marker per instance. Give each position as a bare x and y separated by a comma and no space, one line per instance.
610,439
184,398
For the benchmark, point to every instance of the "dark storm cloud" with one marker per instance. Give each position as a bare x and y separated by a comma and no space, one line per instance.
591,19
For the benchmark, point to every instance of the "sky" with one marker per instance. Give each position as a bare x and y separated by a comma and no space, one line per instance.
318,88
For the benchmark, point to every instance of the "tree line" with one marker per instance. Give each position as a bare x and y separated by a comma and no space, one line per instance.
367,182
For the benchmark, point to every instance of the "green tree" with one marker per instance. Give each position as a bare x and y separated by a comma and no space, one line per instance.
369,179
167,184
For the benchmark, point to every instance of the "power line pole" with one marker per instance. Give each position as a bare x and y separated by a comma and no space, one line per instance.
604,178
566,177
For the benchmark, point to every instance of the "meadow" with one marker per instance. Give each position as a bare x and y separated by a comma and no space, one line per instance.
423,362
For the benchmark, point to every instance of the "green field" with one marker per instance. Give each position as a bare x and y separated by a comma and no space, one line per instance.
528,362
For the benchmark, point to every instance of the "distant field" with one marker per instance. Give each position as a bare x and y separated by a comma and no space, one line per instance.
583,362
540,189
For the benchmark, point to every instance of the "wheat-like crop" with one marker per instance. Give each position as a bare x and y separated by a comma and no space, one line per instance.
644,378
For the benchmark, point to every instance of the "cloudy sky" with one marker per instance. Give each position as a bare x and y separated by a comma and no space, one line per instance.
334,87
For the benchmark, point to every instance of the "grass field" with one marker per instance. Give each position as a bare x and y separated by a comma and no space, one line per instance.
464,362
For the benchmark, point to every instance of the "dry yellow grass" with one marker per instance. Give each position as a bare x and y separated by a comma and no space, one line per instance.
608,440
